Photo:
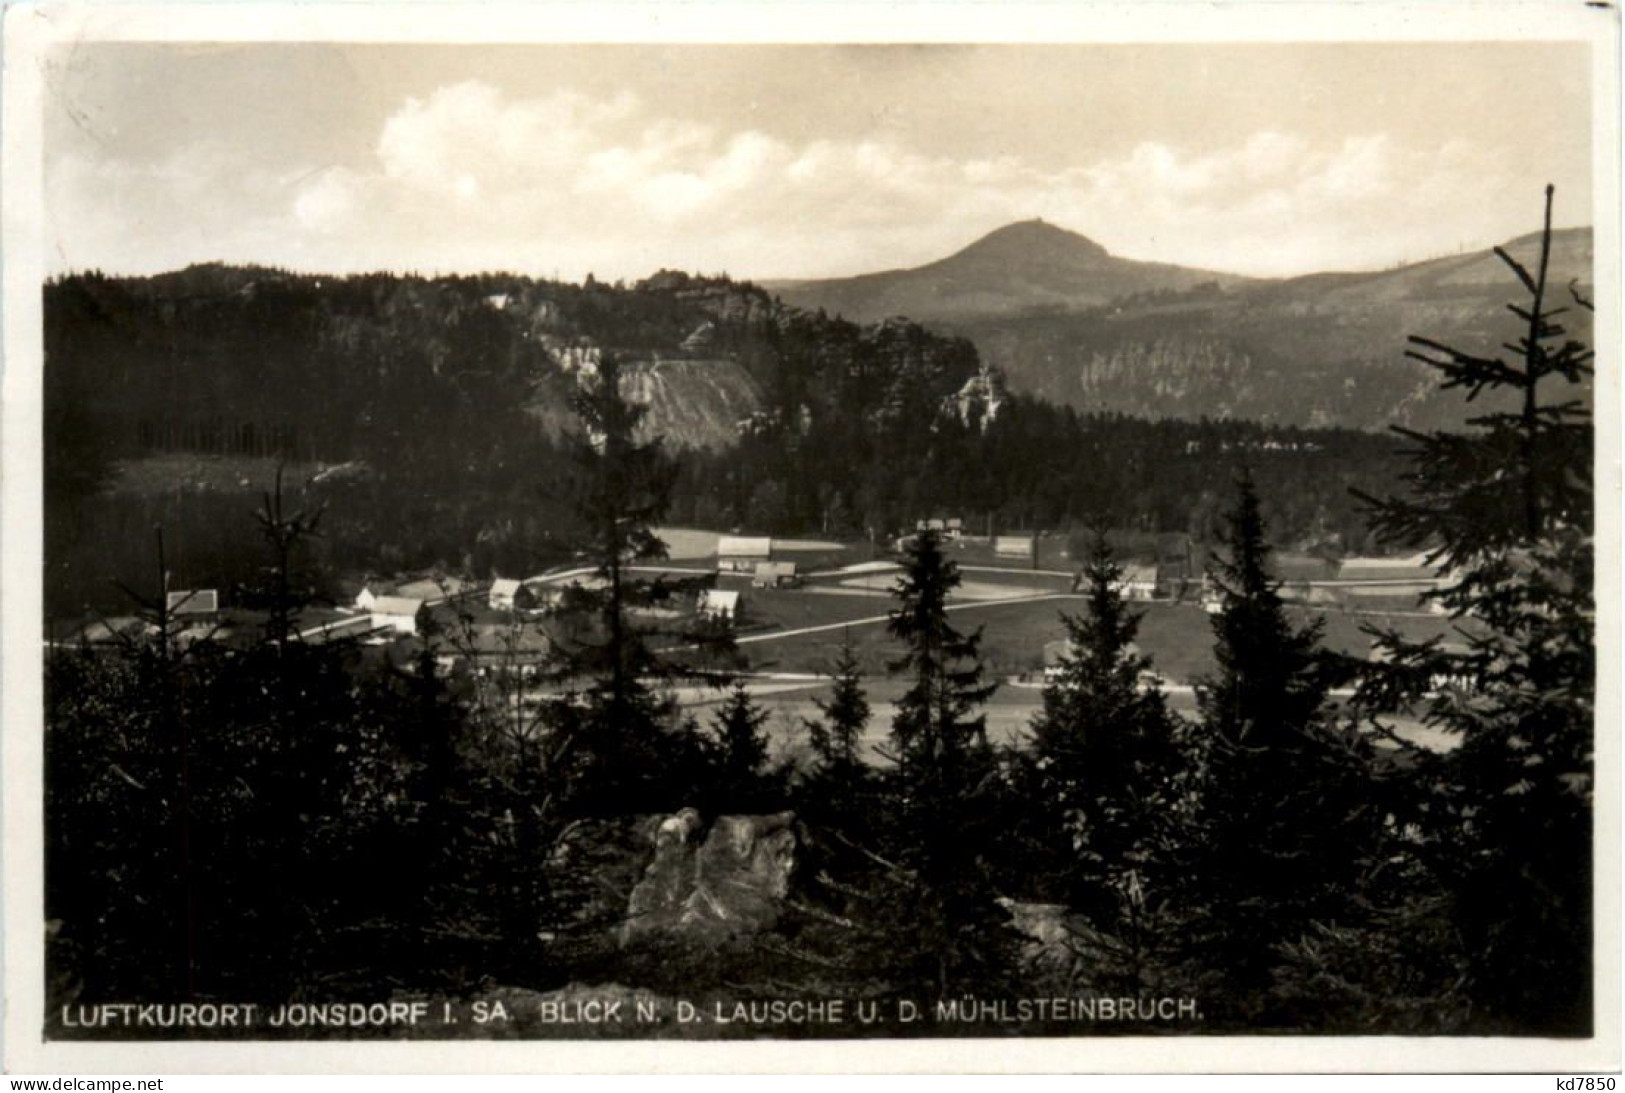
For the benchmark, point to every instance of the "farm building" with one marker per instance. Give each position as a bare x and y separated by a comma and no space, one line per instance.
775,575
193,602
721,605
431,591
396,613
1138,582
512,595
1014,546
948,528
740,554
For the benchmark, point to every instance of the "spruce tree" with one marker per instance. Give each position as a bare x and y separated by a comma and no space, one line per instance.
743,781
632,745
836,735
1505,509
1279,830
1103,745
944,791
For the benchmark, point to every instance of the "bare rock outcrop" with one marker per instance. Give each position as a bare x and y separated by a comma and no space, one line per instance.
713,885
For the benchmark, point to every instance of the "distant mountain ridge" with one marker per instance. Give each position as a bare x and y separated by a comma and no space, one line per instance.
1065,320
1023,266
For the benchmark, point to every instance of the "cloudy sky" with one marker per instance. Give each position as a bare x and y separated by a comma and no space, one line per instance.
801,161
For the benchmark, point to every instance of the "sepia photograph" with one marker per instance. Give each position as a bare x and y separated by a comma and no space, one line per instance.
667,539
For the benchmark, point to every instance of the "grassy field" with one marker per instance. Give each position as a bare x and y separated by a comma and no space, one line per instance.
1177,637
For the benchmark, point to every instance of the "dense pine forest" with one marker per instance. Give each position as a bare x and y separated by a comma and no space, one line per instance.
283,821
430,417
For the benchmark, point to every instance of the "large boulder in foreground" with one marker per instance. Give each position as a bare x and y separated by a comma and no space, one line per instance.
715,884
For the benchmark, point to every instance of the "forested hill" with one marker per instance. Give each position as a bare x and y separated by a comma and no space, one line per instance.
230,360
1066,321
425,416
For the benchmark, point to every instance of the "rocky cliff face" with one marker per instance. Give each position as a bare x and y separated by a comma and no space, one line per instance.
693,403
326,359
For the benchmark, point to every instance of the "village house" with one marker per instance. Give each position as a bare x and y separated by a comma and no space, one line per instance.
719,605
951,527
1138,582
1014,546
194,615
741,554
775,575
396,613
431,591
193,603
512,595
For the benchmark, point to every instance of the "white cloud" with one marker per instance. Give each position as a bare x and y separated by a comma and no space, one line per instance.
329,202
468,177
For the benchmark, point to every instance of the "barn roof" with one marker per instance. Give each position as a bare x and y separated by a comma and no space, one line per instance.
432,588
195,601
396,605
744,546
